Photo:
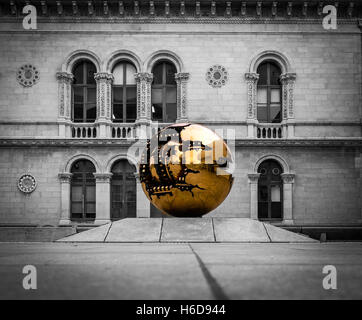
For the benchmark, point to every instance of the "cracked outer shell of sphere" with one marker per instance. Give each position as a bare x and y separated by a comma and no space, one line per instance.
184,170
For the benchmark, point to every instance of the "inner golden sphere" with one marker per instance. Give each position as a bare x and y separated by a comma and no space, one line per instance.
184,170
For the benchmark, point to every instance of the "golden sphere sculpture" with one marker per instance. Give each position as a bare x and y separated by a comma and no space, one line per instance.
184,170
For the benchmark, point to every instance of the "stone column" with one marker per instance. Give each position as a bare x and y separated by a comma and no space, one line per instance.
181,80
144,81
143,206
253,181
104,103
65,80
288,181
251,82
287,80
103,197
65,180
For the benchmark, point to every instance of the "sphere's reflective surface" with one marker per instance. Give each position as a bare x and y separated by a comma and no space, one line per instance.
184,170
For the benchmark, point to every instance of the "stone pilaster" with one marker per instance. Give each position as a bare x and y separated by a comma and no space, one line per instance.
65,181
288,80
103,196
144,81
251,83
288,181
65,80
181,80
143,206
104,102
253,181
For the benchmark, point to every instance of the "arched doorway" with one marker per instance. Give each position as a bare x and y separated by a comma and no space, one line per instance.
270,191
83,190
123,191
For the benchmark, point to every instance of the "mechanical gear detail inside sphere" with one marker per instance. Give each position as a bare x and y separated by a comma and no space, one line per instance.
184,170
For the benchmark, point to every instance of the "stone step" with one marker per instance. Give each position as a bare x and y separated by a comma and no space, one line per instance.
187,230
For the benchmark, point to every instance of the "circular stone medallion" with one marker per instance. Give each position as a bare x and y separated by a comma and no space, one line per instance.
27,183
27,75
217,76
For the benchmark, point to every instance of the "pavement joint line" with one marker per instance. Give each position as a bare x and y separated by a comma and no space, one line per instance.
213,229
161,230
215,288
266,231
109,229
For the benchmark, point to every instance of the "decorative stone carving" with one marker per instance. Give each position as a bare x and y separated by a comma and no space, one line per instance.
27,183
217,76
65,177
251,80
181,80
288,177
104,83
103,177
64,91
288,80
27,75
253,177
144,81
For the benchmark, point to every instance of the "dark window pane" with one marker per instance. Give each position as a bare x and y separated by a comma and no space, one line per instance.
157,95
171,95
274,74
91,95
78,112
82,166
78,94
90,71
275,113
117,95
131,95
276,210
262,210
78,73
157,112
118,112
262,113
170,73
171,112
262,71
157,73
91,112
131,112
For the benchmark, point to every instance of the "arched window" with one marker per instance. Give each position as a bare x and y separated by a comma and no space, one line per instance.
270,191
84,92
83,191
164,92
124,93
123,191
269,93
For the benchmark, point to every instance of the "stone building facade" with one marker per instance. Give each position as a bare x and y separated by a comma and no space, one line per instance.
83,87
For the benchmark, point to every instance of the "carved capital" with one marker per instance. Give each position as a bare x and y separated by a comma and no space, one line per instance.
288,77
253,177
182,76
251,77
103,76
288,177
65,177
103,177
64,77
143,76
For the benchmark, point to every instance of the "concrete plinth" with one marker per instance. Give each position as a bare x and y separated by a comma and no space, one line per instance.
187,230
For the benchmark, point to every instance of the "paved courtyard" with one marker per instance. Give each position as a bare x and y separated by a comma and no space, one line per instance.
180,271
